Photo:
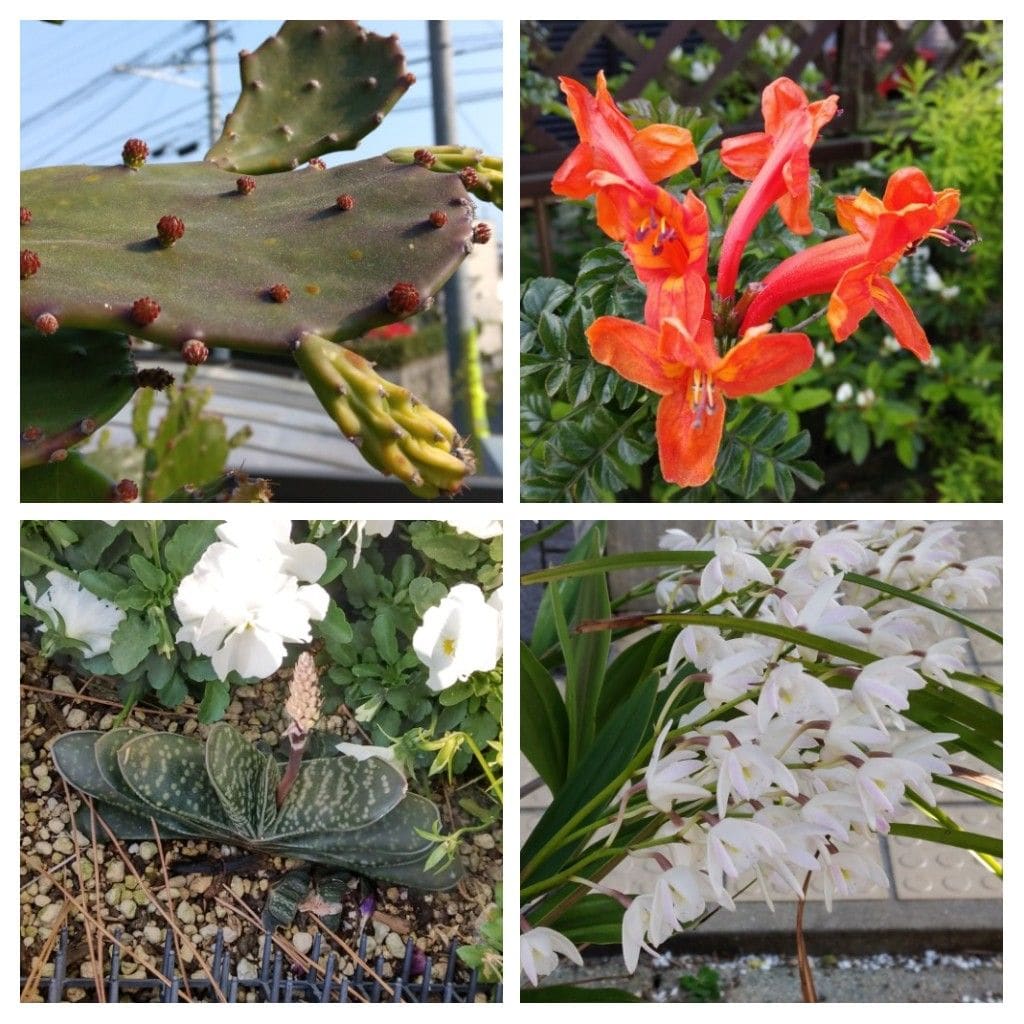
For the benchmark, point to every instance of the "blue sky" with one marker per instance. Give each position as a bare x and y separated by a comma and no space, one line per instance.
75,108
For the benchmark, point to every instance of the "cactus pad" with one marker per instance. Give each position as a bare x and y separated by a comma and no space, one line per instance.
81,381
71,479
314,88
341,812
94,228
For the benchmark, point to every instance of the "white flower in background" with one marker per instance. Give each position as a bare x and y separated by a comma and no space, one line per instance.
82,616
825,354
242,603
886,682
946,656
677,540
458,637
735,844
539,949
367,528
476,526
844,392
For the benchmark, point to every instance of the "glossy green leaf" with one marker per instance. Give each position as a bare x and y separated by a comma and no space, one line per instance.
543,723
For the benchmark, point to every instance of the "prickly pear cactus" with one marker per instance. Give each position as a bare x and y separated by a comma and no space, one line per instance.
194,255
341,813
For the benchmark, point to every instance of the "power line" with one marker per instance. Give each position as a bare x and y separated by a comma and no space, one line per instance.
146,128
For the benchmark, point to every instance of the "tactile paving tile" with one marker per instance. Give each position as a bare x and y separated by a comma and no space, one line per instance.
929,871
784,894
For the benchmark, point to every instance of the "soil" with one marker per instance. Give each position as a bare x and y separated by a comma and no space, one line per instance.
229,888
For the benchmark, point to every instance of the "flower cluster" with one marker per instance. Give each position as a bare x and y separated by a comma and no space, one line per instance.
243,600
696,349
774,761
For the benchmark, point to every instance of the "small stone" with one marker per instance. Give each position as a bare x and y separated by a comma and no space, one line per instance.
147,851
484,841
229,934
394,945
303,942
41,900
76,718
238,886
62,684
128,909
44,783
200,884
115,871
153,934
44,849
186,913
50,914
64,845
246,970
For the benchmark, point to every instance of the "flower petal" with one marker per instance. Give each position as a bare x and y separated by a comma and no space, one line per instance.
687,451
745,155
763,361
663,150
893,308
851,301
631,350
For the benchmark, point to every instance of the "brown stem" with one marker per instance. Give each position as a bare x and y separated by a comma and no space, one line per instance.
291,773
807,989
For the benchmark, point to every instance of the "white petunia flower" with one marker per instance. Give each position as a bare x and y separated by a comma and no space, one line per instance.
458,637
475,526
269,541
539,949
241,604
367,528
82,615
497,602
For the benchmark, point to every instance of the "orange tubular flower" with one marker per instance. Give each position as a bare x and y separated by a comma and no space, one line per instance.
609,142
777,160
679,361
854,269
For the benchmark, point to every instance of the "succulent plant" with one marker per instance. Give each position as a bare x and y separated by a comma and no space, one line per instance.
340,812
190,255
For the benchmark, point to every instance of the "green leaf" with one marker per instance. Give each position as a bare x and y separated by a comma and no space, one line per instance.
576,994
544,726
384,634
187,544
974,841
334,627
541,294
200,670
158,669
173,693
613,748
132,641
426,593
595,918
216,698
150,576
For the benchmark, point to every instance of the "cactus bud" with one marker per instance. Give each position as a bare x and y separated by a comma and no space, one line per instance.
29,263
345,201
26,216
169,229
279,292
30,434
246,184
317,164
87,426
47,323
124,491
469,177
134,153
408,79
194,352
438,218
424,158
403,298
144,311
58,455
481,233
155,378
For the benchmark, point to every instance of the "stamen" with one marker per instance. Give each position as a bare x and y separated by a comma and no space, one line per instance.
947,237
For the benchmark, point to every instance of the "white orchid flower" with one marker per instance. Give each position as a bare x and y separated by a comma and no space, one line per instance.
539,949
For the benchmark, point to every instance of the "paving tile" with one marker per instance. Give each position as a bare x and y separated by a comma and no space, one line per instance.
929,871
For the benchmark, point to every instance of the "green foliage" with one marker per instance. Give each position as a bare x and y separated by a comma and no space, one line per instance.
702,987
224,789
485,955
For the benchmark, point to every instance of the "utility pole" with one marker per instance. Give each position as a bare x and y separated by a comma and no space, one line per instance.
212,85
458,328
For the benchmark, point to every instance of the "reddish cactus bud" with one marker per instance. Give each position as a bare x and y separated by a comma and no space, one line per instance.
345,201
155,377
481,233
47,323
317,164
279,292
194,352
88,426
403,298
124,491
144,311
424,158
438,218
469,177
29,263
169,229
408,79
58,455
134,153
26,216
30,434
246,184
